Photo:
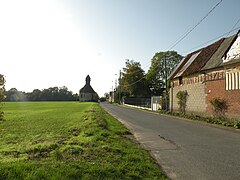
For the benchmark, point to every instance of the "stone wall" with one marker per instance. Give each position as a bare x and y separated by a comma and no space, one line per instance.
84,97
195,101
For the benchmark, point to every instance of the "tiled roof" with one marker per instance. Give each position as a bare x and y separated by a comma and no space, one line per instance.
195,61
201,60
187,64
216,59
206,58
180,65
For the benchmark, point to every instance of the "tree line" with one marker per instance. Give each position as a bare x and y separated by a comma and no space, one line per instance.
50,94
134,82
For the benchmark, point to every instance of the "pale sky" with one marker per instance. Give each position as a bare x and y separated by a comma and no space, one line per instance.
49,43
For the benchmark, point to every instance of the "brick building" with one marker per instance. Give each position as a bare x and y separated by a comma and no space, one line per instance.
212,71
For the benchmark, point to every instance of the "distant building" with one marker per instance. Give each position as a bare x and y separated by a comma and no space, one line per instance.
87,94
111,96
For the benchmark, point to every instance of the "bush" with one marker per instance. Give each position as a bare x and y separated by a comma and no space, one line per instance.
219,107
182,101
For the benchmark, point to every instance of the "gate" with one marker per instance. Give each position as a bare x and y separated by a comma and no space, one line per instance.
156,103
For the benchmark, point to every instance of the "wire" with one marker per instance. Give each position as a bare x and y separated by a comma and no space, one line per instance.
225,34
133,82
234,25
188,32
184,36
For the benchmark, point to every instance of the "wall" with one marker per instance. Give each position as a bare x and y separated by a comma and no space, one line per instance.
232,97
233,100
204,87
87,97
196,97
214,89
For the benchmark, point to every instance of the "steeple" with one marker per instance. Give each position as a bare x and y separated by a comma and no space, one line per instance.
88,79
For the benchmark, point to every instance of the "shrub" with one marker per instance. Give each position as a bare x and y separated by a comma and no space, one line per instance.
219,107
182,100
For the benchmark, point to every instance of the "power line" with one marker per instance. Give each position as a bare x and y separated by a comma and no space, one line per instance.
225,34
234,25
185,35
188,32
133,82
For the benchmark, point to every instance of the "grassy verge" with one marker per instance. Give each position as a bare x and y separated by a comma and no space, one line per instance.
211,120
66,140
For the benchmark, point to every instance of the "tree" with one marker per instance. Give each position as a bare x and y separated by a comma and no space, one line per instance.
50,94
12,95
162,64
34,95
106,95
2,95
133,82
65,95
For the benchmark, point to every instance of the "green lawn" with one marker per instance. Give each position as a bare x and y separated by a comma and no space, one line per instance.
69,140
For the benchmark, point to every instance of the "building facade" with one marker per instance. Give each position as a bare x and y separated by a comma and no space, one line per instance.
210,72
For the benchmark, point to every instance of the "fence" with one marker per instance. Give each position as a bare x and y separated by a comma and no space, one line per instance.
154,103
141,102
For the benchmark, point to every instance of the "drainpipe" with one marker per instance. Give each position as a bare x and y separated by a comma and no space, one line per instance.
172,86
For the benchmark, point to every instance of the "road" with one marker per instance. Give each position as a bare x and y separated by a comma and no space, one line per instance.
184,149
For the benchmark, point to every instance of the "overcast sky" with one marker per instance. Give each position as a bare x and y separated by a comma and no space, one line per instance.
49,43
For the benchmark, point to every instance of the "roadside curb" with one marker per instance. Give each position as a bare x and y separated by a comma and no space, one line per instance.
232,129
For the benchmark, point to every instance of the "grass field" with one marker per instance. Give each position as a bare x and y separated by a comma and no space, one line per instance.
69,140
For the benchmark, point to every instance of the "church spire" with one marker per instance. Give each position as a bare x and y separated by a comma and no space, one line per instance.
88,79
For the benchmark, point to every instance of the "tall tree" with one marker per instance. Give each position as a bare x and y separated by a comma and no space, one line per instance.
133,80
34,95
2,95
162,64
12,95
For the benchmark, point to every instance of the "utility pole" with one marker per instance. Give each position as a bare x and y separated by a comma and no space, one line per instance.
165,73
115,82
119,82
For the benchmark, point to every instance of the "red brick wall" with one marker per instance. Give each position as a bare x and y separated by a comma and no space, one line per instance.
217,89
214,89
233,99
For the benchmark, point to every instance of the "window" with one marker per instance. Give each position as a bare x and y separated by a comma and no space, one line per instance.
232,80
180,80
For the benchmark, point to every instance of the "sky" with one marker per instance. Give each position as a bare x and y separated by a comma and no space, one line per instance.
48,43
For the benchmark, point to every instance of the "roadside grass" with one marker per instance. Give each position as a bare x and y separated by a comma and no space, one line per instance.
211,120
69,140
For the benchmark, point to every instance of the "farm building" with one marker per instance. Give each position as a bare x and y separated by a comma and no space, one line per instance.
207,73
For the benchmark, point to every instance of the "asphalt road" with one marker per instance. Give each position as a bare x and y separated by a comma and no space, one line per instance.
184,149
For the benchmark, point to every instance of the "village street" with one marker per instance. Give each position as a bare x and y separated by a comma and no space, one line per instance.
184,149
